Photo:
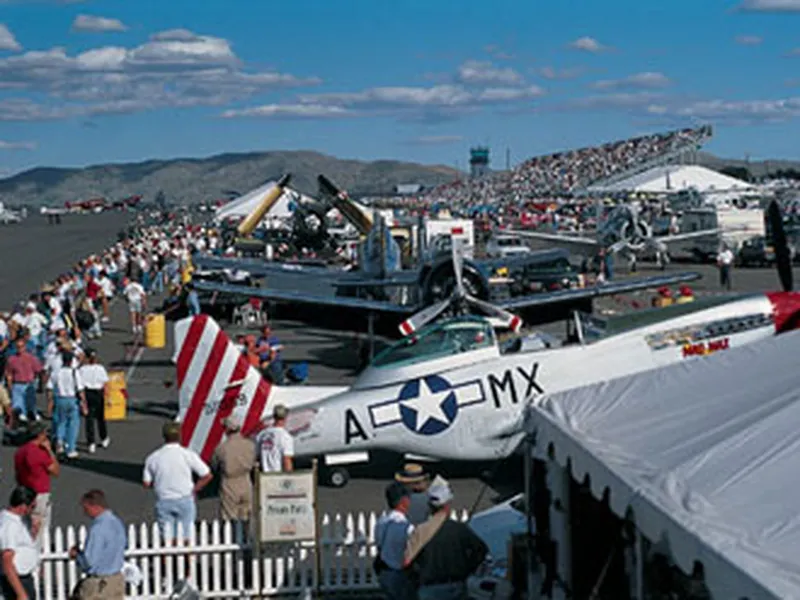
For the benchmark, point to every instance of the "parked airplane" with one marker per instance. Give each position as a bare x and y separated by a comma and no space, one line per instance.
451,391
8,217
431,289
622,232
91,205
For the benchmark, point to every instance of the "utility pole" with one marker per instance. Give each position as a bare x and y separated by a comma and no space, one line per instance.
508,159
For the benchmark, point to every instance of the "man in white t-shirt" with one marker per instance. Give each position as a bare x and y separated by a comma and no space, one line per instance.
3,332
137,303
66,402
169,471
35,322
107,292
95,378
20,554
275,445
725,260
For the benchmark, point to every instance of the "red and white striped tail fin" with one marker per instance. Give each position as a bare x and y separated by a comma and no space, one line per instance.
215,380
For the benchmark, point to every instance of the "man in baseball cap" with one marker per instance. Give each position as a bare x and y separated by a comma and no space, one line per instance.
444,552
439,493
275,444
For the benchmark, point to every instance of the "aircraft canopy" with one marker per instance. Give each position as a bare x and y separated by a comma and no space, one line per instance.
438,340
705,452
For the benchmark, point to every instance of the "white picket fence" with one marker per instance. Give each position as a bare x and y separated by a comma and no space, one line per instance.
219,564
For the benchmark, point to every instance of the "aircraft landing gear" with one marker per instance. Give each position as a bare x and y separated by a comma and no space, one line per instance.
337,477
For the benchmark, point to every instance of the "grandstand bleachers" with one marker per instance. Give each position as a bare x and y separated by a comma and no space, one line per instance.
568,173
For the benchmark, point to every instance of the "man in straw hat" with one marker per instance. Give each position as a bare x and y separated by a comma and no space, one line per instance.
233,460
416,480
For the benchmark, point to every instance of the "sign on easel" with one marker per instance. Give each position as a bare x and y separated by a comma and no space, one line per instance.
286,505
286,511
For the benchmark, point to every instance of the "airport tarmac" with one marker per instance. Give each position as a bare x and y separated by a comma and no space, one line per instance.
34,251
332,358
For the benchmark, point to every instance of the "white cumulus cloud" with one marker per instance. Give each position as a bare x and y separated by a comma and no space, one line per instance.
441,96
289,111
587,44
474,85
745,111
176,68
435,140
90,23
770,5
553,73
484,72
617,100
7,40
646,80
5,145
749,40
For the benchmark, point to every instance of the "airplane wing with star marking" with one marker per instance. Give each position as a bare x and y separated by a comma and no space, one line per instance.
291,297
682,237
582,244
597,291
391,309
258,267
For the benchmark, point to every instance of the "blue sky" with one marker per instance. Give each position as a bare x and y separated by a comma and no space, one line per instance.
95,81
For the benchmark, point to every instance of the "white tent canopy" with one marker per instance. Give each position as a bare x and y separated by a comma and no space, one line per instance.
673,178
244,205
706,453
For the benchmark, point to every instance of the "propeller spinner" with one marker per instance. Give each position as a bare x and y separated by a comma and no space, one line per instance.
459,300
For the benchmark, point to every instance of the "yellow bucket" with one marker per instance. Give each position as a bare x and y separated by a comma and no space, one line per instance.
155,331
116,400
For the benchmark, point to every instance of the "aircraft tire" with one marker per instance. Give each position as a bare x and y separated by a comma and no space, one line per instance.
338,477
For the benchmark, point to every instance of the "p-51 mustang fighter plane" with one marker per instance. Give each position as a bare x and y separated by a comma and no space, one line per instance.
451,391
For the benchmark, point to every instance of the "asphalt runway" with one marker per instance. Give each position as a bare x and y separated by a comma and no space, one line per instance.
332,359
34,252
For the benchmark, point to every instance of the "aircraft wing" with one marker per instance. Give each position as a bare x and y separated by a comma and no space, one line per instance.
584,243
532,258
301,298
682,237
597,291
258,267
398,279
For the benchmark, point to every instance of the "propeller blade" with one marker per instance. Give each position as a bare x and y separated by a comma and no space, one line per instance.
617,246
458,266
423,317
783,258
512,321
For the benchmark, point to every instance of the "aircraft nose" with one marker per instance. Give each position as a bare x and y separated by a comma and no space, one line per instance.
785,310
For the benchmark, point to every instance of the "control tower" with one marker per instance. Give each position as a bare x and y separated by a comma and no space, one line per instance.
478,161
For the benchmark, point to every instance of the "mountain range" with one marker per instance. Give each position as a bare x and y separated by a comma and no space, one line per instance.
195,180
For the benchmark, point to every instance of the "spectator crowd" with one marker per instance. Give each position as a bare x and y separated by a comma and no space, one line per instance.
563,173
